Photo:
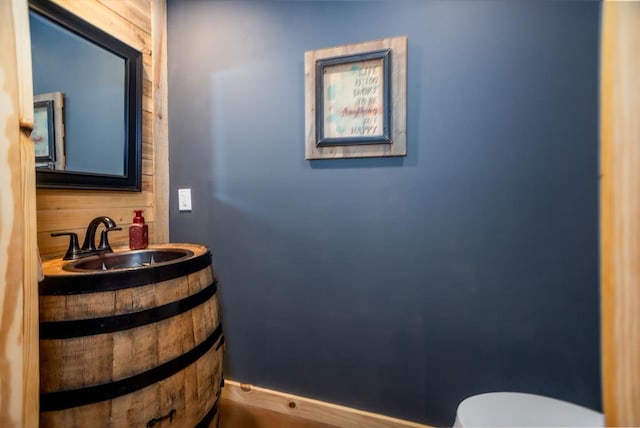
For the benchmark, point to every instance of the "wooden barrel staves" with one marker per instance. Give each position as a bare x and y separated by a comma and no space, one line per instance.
132,348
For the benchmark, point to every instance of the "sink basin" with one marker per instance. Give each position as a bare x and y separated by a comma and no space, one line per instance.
127,260
124,268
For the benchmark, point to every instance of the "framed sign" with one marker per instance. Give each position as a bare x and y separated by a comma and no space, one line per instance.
356,100
352,99
48,130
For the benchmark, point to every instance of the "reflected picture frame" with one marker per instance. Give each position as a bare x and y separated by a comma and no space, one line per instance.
48,130
355,100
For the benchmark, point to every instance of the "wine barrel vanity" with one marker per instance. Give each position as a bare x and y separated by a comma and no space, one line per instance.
131,339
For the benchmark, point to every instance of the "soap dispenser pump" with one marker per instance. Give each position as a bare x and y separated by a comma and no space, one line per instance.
138,232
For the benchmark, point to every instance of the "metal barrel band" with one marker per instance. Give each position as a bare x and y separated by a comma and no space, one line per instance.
87,327
61,400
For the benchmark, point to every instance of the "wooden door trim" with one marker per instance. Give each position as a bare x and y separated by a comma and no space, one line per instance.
620,211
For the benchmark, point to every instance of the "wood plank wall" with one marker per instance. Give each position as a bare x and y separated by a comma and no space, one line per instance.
620,211
71,210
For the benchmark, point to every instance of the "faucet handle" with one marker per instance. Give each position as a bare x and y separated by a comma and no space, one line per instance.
104,246
73,252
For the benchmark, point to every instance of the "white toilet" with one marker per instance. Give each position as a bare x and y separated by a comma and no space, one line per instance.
515,409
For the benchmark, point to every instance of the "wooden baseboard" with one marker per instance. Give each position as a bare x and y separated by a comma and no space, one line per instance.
306,408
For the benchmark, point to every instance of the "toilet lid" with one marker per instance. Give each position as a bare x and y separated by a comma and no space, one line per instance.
514,409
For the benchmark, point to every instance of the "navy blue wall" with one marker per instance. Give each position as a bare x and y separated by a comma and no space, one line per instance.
92,82
404,285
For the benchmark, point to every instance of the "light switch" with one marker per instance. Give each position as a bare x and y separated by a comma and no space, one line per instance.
184,199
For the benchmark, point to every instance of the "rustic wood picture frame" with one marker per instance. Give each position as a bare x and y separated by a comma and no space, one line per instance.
49,130
384,64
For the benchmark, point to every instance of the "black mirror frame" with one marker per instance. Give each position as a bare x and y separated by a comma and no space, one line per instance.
132,178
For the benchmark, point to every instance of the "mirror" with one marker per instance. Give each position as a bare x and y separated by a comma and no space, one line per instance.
87,103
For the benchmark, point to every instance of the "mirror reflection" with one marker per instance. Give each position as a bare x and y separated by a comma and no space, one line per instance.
91,81
87,103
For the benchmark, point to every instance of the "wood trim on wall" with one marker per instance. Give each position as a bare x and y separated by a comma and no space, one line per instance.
620,211
133,22
30,267
160,118
309,409
19,376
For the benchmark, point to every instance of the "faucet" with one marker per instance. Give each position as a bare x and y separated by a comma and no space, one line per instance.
89,245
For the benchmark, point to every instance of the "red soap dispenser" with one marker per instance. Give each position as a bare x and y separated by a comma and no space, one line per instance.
138,232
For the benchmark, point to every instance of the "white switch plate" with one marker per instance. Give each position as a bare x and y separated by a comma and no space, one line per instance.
184,199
